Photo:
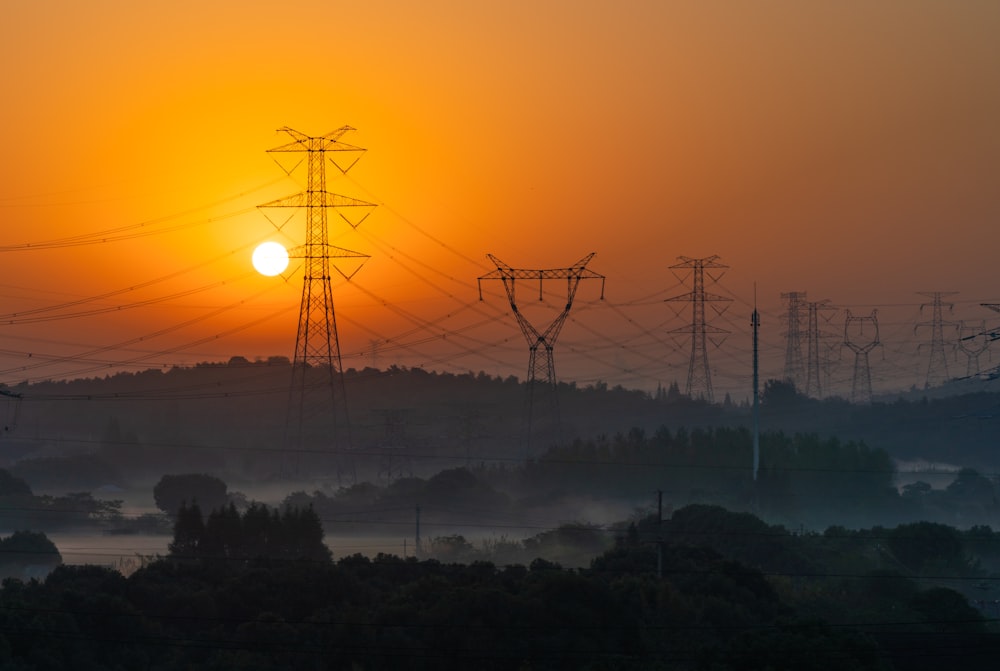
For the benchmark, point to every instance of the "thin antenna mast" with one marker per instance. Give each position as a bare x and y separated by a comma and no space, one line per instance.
755,323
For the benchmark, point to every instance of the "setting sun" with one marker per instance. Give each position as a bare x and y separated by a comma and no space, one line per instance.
270,259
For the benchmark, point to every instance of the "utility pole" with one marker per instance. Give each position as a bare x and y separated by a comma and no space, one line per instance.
699,379
417,549
937,369
317,408
755,323
861,345
541,378
659,533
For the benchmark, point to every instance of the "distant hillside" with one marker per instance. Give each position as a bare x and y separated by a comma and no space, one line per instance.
230,417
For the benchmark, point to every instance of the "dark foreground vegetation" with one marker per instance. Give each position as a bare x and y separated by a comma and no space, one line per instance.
706,589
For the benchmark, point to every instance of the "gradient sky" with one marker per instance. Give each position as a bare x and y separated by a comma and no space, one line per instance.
847,150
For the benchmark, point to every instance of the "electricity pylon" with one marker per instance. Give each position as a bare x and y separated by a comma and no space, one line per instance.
993,334
317,405
394,451
541,379
814,386
937,369
861,386
973,341
794,368
699,379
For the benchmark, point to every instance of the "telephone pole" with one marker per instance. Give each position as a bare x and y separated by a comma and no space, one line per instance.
317,417
699,379
541,379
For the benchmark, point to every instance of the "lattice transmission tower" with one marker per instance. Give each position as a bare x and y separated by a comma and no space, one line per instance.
937,369
861,344
814,335
541,381
973,341
317,419
794,366
699,379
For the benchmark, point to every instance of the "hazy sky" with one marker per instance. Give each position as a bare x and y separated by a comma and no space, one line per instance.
848,150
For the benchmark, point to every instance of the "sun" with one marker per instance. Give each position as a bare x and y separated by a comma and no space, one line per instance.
270,258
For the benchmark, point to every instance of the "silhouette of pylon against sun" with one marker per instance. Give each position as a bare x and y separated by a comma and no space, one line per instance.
861,344
541,381
973,341
699,379
937,369
814,385
794,367
317,420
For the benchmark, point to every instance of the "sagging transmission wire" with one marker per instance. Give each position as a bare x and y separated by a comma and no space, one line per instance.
478,264
122,232
22,316
425,325
149,336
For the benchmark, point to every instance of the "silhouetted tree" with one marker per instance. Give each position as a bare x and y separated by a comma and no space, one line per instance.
172,490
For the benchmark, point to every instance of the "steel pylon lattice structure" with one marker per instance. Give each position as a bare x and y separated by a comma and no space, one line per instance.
861,345
541,380
794,366
937,368
973,341
814,384
699,378
317,417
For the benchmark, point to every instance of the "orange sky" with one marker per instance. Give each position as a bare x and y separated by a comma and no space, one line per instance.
849,150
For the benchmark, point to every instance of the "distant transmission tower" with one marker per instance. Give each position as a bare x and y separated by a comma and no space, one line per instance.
394,451
861,345
317,406
699,379
794,369
973,341
937,369
992,335
814,385
541,381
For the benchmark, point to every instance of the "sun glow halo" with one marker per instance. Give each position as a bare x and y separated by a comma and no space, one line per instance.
270,258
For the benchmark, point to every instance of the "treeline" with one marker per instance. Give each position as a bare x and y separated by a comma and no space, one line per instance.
235,427
20,508
256,533
706,589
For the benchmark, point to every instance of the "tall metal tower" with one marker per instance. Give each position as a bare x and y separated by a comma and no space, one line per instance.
814,385
317,405
973,341
541,379
861,344
937,369
699,379
794,368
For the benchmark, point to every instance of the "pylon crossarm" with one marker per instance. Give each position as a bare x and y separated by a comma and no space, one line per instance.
305,142
324,252
328,199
